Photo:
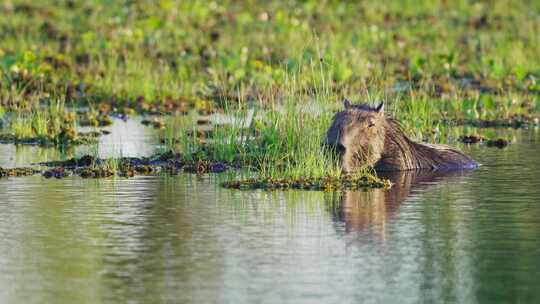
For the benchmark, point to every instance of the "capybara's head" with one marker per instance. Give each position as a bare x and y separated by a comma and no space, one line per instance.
357,135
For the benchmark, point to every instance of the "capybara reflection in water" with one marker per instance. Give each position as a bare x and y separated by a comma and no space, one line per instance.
363,136
370,211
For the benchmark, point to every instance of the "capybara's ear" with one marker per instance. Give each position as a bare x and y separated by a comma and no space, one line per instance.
347,103
380,108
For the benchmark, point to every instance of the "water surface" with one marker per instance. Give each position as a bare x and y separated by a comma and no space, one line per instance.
126,138
461,237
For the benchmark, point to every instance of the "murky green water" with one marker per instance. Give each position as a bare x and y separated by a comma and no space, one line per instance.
464,237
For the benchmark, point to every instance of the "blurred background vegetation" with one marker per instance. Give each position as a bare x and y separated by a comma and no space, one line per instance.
435,63
127,52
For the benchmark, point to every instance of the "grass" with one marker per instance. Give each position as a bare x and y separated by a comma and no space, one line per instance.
275,145
138,52
283,143
49,125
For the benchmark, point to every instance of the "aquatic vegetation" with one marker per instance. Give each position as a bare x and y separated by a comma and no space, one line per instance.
511,122
172,163
96,172
66,137
168,162
58,172
274,143
499,143
15,172
323,183
154,123
49,125
90,119
474,139
471,139
84,161
203,166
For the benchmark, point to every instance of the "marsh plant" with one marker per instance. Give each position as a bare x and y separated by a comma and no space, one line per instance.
49,124
281,142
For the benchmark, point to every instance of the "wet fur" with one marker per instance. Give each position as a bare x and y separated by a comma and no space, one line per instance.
401,153
362,136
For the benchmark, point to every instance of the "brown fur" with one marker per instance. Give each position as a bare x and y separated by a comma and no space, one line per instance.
363,136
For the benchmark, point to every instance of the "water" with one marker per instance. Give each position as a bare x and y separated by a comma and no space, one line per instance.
462,237
127,138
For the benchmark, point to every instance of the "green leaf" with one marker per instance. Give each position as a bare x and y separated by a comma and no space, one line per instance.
487,102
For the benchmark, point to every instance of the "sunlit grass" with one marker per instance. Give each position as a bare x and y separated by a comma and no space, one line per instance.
281,141
50,125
